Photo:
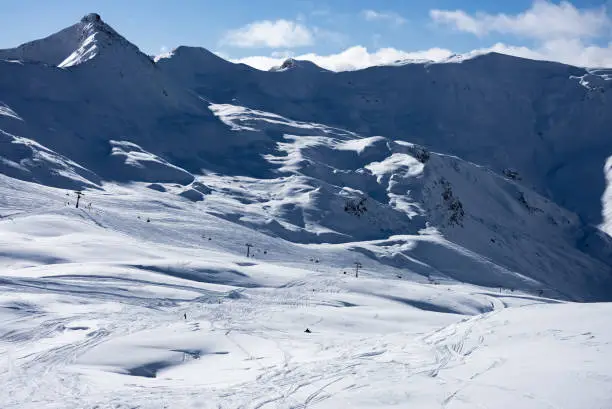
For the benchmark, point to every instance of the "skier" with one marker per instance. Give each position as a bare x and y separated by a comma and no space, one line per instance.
185,315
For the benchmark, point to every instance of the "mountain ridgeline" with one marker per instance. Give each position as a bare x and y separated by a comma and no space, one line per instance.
504,156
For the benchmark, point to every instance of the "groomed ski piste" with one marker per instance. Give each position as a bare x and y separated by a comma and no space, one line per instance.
93,301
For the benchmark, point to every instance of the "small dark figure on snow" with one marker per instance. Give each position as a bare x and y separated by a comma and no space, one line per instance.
307,331
185,315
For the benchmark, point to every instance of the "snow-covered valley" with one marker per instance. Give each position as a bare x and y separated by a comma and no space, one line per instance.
246,249
93,306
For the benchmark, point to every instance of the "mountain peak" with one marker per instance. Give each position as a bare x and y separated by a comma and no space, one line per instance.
291,64
95,37
185,59
91,18
73,45
192,52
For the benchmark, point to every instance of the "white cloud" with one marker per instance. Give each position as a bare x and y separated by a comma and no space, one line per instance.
572,52
270,34
352,58
568,51
261,62
389,16
544,20
561,32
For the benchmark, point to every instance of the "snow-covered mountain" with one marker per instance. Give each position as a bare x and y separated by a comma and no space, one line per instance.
301,65
546,120
461,188
89,38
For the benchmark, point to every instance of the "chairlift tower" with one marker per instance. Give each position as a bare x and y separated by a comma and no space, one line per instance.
358,265
79,194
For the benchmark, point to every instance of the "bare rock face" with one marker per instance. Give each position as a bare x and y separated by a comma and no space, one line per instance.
454,205
91,18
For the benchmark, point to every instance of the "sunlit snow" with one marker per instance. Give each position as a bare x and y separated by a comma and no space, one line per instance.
414,236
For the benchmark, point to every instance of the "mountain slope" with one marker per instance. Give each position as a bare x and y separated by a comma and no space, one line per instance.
51,50
111,114
501,111
390,194
109,91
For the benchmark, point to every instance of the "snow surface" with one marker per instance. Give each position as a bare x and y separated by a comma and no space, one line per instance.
93,301
474,194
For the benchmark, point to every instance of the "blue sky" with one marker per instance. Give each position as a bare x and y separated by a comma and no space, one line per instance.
264,31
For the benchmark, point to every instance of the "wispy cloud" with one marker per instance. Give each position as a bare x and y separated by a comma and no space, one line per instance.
284,54
330,36
320,12
270,34
543,20
388,16
568,51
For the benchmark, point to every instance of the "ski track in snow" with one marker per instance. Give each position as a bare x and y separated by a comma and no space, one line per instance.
103,327
144,298
92,303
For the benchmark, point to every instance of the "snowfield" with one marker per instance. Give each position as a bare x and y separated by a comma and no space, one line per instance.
411,236
93,300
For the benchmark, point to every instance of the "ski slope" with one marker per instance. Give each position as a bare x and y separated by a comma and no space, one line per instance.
441,231
93,300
